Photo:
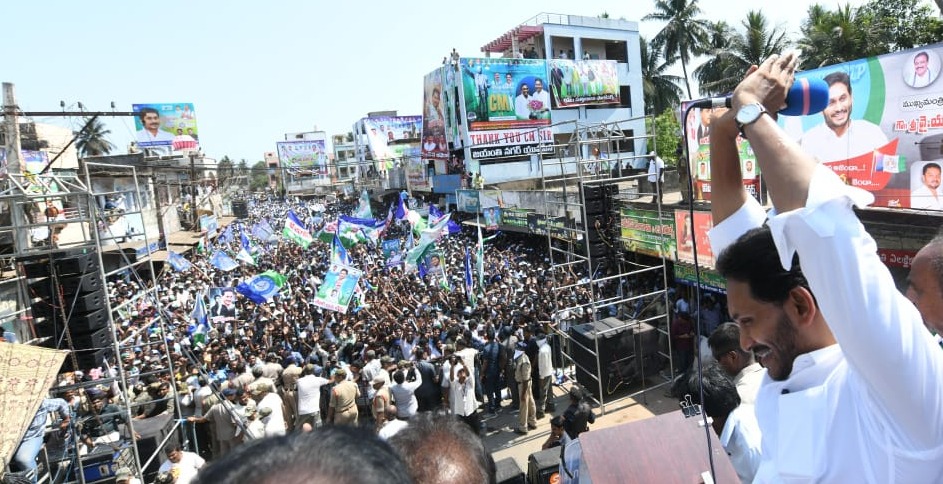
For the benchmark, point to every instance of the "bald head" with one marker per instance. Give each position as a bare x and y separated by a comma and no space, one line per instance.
925,284
442,449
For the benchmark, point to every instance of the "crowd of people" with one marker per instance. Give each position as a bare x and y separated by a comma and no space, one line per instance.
410,344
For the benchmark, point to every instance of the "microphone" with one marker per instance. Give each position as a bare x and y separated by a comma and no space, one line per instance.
806,96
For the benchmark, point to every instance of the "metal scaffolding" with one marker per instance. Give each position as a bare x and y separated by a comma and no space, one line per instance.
591,178
53,301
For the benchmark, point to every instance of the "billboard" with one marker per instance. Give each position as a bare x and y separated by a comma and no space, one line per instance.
694,231
434,143
492,145
166,127
467,201
645,232
883,126
698,134
386,133
505,93
454,127
583,82
33,161
417,171
302,155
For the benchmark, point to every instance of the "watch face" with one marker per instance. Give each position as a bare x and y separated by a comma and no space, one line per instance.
748,113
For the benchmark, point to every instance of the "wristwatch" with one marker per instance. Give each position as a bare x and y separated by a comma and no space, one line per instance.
748,114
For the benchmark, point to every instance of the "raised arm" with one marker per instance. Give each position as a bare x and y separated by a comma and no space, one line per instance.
880,332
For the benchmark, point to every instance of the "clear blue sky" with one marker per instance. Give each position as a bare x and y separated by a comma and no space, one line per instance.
256,70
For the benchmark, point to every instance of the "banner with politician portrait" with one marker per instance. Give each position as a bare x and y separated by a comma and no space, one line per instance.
166,127
883,126
384,133
434,143
301,156
583,82
338,288
222,307
504,93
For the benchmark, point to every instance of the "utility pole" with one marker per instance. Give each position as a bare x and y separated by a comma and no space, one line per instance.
193,192
14,165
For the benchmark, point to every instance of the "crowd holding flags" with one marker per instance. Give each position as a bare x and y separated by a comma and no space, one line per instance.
343,233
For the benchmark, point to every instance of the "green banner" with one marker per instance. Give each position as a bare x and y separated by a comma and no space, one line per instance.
643,231
710,280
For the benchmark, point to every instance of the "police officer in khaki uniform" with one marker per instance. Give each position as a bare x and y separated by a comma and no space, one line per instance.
343,407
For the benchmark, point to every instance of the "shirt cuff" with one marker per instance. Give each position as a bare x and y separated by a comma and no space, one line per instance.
825,189
749,216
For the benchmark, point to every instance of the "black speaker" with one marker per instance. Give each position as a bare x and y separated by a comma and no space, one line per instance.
80,340
544,467
240,209
77,264
36,268
49,325
153,431
619,362
508,472
593,192
71,285
596,207
87,359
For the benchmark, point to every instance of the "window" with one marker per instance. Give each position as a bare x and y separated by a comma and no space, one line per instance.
616,50
625,97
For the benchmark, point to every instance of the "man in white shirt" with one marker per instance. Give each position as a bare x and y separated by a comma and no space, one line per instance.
541,95
740,365
391,425
870,410
839,137
152,134
656,175
183,466
462,401
265,395
309,396
404,393
544,398
927,196
521,103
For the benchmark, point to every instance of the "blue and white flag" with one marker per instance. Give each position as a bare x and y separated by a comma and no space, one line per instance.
435,215
245,256
469,284
339,254
198,328
178,262
262,287
223,262
226,237
264,232
296,232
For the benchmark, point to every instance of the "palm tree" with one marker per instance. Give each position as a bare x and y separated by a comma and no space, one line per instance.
683,34
92,140
661,90
734,52
831,37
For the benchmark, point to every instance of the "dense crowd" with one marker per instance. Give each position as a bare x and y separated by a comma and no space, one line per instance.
411,343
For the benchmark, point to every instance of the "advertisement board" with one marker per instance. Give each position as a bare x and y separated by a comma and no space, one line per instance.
33,161
466,201
302,155
496,144
709,279
698,134
434,115
583,82
883,126
643,231
417,172
385,133
504,93
690,231
166,127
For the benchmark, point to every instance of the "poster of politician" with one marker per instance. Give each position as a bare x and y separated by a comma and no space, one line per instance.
338,288
434,112
882,128
505,93
303,156
583,82
222,306
386,136
166,127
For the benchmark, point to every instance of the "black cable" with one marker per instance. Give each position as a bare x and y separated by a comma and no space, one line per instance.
697,291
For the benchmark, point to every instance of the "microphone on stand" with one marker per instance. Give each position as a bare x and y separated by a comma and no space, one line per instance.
806,96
